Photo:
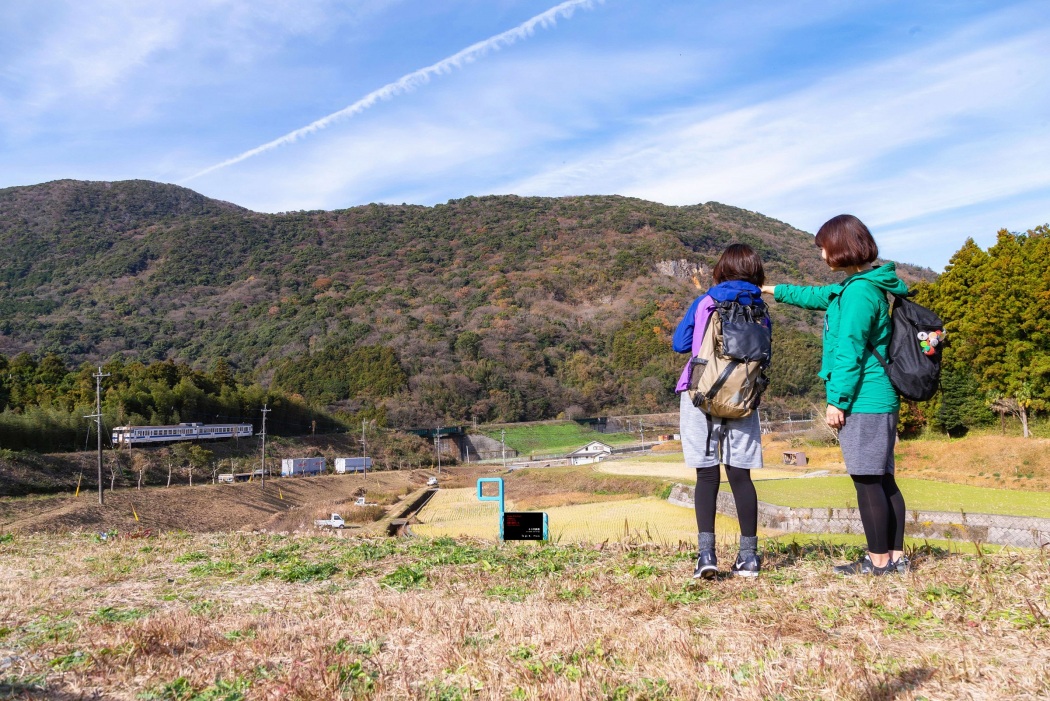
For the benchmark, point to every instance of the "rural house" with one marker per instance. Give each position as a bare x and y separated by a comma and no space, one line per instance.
595,451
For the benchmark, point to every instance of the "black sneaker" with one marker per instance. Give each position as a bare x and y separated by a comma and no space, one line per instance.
865,566
902,564
747,566
706,565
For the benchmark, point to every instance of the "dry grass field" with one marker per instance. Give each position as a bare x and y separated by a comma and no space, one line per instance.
227,592
281,505
985,460
255,616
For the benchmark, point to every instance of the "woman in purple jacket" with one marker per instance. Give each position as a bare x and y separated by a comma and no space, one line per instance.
736,443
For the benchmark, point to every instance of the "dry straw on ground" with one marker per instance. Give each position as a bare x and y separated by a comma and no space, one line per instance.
226,616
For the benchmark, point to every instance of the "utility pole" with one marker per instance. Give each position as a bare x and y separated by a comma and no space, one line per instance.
437,444
262,476
97,416
503,443
641,432
363,452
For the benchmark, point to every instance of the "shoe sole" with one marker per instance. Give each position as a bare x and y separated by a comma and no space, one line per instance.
744,573
706,573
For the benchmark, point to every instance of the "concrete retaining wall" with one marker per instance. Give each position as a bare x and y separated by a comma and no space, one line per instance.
1018,531
480,447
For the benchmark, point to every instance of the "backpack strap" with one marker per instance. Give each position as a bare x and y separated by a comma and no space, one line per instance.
723,435
710,433
878,356
718,434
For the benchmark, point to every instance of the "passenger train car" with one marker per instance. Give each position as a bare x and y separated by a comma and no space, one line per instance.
144,435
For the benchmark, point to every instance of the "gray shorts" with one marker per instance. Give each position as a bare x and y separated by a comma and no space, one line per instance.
738,443
867,442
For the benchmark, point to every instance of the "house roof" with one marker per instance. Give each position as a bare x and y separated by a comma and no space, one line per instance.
592,448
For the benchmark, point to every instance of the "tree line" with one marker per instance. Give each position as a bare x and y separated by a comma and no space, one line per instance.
43,403
996,309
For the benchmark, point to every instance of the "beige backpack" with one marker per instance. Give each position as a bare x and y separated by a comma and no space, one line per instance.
727,377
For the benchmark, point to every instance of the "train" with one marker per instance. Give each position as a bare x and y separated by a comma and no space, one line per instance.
126,436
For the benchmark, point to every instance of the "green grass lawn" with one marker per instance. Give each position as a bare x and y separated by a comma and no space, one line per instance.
544,439
663,458
838,491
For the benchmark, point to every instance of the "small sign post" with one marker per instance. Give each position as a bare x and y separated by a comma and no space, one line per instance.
516,525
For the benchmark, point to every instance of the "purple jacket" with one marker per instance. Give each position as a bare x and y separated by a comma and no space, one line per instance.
691,329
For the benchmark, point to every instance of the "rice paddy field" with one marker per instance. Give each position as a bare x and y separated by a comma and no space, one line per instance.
457,513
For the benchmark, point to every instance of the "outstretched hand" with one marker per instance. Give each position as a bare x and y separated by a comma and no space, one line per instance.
768,289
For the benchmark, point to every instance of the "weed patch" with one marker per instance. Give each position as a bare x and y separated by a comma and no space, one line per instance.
404,578
220,568
180,689
108,614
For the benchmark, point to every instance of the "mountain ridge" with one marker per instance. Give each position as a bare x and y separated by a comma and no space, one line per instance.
578,293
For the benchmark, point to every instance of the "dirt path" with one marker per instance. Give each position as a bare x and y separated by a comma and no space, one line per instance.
283,504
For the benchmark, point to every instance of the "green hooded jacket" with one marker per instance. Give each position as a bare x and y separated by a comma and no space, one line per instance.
857,315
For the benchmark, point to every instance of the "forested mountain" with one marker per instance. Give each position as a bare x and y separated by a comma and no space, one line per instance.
501,307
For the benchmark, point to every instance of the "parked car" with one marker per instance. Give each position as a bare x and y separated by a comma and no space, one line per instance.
336,521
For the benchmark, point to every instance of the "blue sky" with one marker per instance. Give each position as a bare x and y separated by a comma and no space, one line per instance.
929,120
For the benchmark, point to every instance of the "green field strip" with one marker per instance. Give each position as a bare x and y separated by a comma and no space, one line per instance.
542,439
920,495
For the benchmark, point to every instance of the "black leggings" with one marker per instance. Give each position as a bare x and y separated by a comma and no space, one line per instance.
881,506
706,497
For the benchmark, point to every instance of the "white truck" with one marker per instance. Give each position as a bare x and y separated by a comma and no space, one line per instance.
336,521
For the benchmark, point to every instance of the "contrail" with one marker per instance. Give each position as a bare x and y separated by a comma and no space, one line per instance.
416,78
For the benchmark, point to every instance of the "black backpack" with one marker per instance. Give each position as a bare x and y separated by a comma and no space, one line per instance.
913,359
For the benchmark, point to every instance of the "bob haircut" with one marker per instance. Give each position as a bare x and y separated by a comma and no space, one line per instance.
847,242
739,262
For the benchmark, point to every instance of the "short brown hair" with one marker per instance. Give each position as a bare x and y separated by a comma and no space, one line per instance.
739,262
847,242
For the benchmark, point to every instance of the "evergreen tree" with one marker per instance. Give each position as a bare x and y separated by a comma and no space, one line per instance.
995,306
961,405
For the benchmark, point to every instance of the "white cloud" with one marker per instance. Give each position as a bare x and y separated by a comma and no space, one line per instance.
118,55
978,118
478,126
417,78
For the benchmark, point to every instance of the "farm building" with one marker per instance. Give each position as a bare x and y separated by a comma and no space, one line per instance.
344,465
595,451
301,466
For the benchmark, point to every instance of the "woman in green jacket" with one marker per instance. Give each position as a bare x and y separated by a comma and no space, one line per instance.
862,404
